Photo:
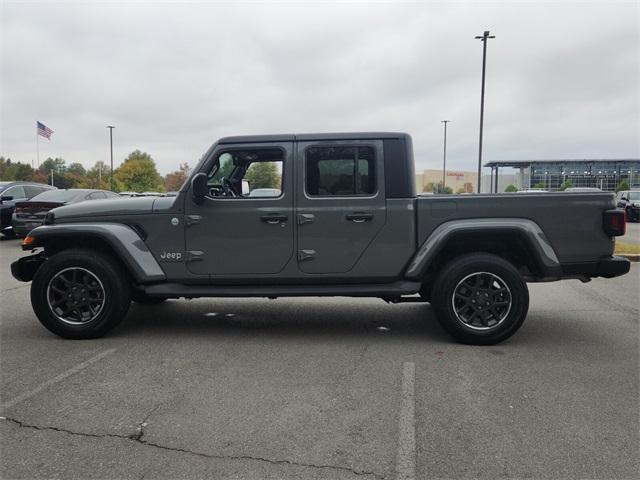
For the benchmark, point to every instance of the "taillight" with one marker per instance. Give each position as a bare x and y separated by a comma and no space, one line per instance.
615,222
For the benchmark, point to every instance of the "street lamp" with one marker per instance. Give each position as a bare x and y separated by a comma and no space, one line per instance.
444,155
111,127
483,38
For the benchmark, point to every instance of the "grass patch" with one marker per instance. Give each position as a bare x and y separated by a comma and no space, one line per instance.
622,247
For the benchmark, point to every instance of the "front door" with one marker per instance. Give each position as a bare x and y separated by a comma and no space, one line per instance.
237,230
341,203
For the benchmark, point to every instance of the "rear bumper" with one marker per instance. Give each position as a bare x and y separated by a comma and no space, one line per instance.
607,267
23,226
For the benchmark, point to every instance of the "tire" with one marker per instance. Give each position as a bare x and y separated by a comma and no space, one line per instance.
92,281
140,297
459,295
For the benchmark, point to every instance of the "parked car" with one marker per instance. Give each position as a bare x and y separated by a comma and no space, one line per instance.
129,194
630,201
582,189
533,190
348,223
31,213
12,192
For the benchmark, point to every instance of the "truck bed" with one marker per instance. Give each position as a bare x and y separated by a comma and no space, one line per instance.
572,222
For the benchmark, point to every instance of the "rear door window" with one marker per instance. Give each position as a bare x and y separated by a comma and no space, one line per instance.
340,171
17,192
33,190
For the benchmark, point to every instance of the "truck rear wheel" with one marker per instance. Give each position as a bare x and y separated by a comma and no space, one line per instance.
80,294
480,299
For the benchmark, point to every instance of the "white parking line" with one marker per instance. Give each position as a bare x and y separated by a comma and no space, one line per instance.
56,379
406,461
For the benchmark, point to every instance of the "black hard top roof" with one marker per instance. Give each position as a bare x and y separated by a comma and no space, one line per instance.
307,137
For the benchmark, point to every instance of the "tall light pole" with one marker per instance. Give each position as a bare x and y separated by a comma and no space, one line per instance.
483,38
111,127
444,155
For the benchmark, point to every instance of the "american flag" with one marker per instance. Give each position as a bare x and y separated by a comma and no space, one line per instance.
44,131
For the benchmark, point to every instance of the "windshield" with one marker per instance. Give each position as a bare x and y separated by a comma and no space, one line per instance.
634,195
61,196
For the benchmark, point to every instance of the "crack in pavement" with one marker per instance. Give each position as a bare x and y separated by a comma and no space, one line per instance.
139,433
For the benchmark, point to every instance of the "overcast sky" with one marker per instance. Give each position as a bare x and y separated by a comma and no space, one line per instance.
562,78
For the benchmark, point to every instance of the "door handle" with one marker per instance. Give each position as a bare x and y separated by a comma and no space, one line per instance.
359,217
273,218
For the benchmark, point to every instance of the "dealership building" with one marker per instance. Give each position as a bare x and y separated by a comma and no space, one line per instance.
604,174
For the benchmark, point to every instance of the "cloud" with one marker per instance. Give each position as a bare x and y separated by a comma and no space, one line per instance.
562,78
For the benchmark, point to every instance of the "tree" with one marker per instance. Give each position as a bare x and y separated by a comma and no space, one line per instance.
174,180
138,155
46,166
263,175
23,172
15,170
511,188
138,173
76,169
57,165
623,185
566,184
98,177
429,187
437,188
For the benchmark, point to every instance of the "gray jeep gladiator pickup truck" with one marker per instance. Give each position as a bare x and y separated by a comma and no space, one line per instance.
331,215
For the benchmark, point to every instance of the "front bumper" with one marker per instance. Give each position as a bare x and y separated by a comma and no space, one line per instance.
606,267
25,268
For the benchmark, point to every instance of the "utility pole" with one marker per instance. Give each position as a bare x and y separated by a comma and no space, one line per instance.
444,155
111,127
483,38
52,177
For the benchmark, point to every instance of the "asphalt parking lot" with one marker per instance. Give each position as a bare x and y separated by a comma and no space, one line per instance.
324,388
633,234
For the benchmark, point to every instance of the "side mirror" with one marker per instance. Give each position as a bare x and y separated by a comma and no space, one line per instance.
6,198
199,187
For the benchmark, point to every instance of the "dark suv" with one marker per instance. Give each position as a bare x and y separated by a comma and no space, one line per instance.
12,192
630,201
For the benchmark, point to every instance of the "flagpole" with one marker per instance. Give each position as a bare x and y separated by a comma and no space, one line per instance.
37,147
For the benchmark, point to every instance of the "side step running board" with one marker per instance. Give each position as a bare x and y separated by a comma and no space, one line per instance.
176,290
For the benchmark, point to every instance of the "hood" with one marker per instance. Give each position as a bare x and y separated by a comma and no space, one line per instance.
108,207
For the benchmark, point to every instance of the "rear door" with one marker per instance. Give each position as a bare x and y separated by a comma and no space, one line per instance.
341,203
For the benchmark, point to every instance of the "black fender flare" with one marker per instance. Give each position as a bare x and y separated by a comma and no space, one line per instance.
529,230
123,239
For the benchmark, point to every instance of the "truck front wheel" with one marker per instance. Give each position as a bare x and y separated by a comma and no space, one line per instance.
80,294
480,299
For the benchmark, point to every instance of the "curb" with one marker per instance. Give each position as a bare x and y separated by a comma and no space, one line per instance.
633,257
